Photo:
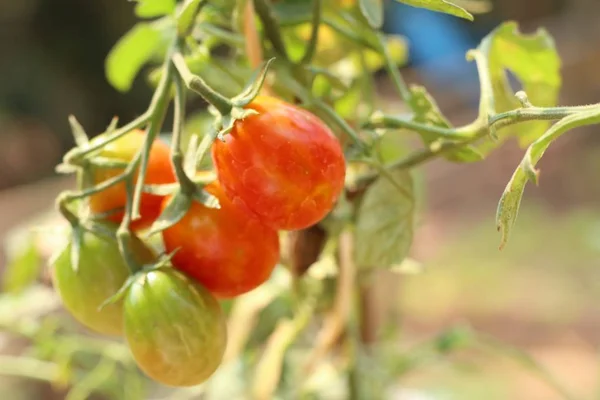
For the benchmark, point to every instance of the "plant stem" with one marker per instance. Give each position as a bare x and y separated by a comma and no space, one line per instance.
198,85
489,343
536,113
381,121
264,10
468,133
392,70
93,380
158,108
187,186
25,367
124,234
70,195
311,47
369,325
76,155
62,204
335,117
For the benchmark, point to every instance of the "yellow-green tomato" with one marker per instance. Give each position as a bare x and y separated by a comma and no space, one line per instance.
100,273
175,328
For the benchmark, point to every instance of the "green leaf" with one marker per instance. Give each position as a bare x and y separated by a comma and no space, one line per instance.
534,61
185,20
23,268
442,6
154,8
130,53
508,207
372,10
385,218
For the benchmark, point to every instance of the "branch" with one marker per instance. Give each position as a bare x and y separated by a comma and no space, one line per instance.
198,85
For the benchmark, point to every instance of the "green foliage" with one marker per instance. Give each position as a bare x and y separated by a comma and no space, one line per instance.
23,268
427,112
508,207
443,6
130,54
385,221
534,62
185,21
372,10
154,8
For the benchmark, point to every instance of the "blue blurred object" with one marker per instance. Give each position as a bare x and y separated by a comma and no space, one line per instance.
437,45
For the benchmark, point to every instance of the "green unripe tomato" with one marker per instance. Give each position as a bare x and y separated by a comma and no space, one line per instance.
100,274
175,328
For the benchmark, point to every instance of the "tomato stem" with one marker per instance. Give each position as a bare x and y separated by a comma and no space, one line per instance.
393,71
311,47
124,234
344,126
62,202
265,12
186,184
158,107
75,155
197,84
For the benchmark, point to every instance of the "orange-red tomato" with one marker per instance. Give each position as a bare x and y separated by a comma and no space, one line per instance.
228,250
284,163
159,171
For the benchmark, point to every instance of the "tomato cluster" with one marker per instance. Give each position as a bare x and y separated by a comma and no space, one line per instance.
279,169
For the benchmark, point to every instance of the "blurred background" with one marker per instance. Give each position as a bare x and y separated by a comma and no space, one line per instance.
541,293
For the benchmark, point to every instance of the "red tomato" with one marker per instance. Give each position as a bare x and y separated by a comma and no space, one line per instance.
229,251
159,171
284,164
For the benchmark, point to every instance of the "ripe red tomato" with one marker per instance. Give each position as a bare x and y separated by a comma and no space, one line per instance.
160,171
229,251
100,274
284,164
174,327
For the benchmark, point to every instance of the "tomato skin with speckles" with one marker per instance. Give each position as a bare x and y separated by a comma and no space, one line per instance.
228,250
100,274
159,171
174,327
284,163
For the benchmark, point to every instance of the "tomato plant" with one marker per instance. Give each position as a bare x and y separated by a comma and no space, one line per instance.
112,200
98,275
284,163
299,140
228,250
174,327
